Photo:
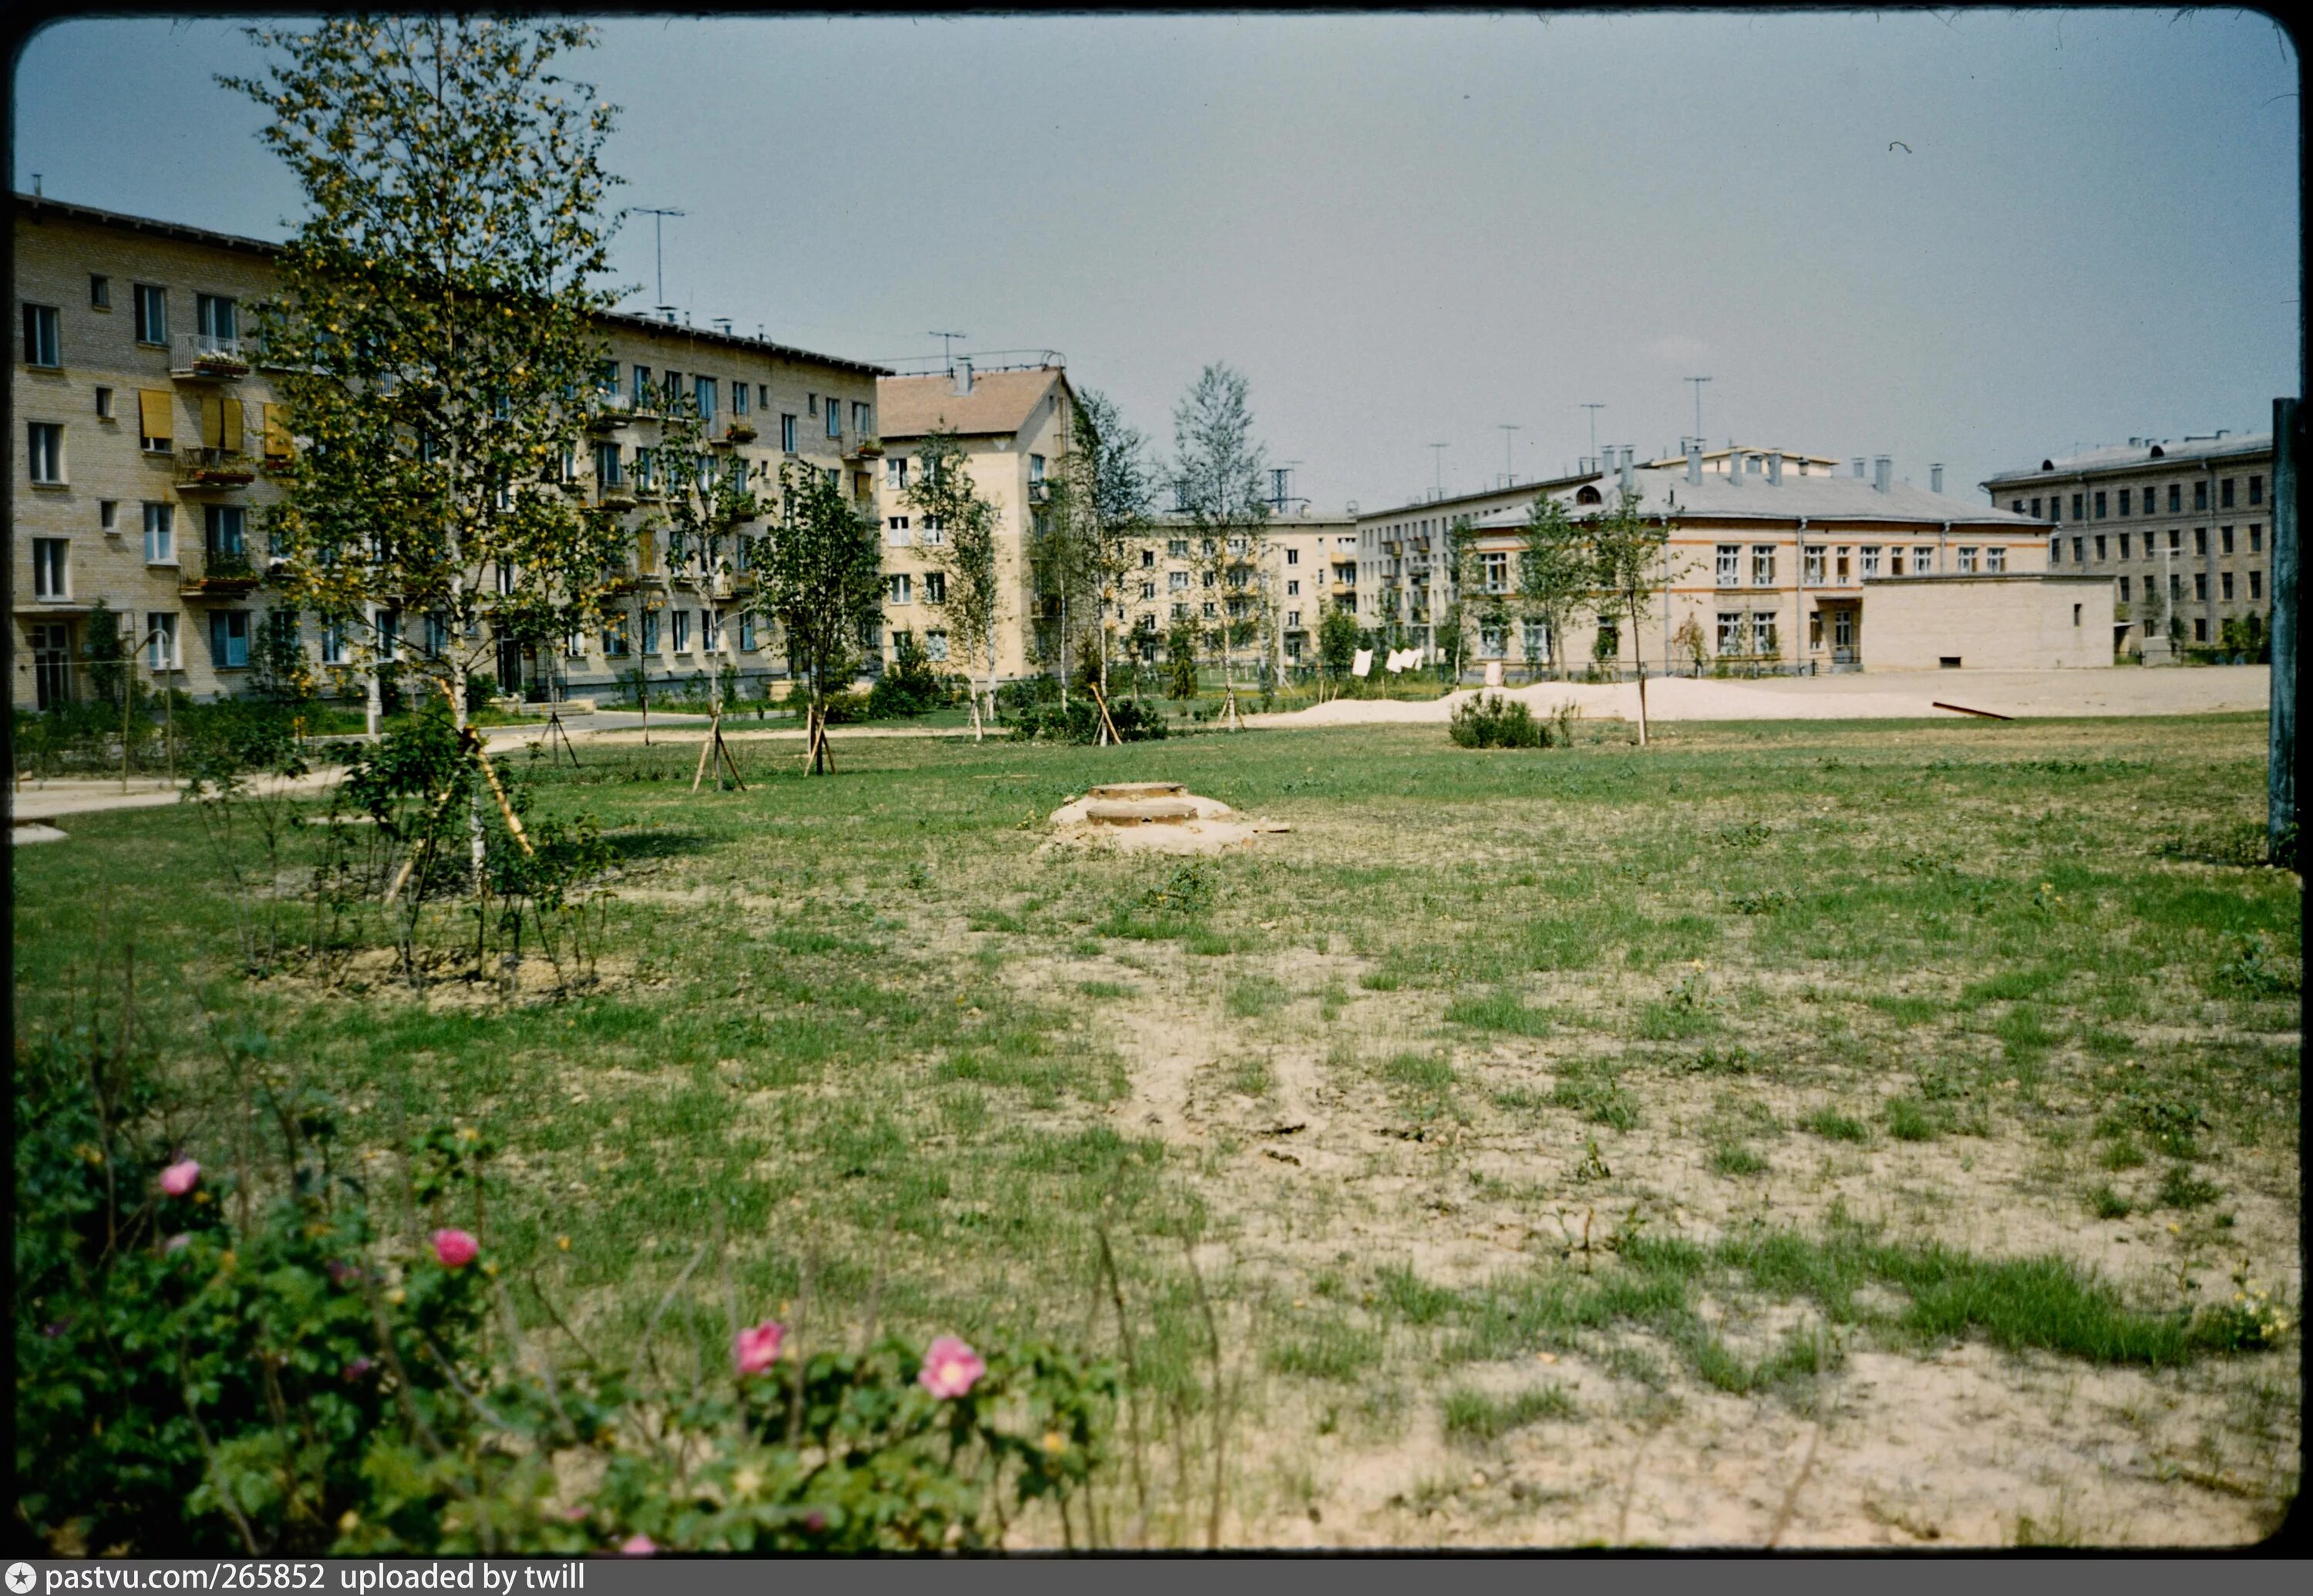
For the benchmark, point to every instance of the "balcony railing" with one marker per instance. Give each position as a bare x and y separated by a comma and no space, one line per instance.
739,430
205,355
214,469
217,573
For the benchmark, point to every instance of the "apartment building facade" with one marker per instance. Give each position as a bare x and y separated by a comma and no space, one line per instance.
1013,415
1300,563
145,425
2181,529
1765,567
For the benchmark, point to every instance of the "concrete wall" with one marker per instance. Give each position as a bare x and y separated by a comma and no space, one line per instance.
2026,622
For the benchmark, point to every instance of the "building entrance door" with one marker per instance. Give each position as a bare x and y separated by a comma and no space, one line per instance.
1843,650
52,663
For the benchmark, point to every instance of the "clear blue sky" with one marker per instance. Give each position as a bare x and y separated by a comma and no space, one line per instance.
1409,229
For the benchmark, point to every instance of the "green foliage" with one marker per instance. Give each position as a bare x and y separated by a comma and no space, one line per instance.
909,686
944,494
1490,720
1079,721
1469,1415
254,1365
1181,660
822,574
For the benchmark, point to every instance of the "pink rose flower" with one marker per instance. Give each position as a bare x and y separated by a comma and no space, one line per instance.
951,1368
178,1242
454,1248
179,1179
758,1348
638,1546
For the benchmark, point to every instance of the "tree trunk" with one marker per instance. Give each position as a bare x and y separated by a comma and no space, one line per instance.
474,836
1639,659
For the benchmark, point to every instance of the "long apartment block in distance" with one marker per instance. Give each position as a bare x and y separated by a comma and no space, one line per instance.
2180,529
145,425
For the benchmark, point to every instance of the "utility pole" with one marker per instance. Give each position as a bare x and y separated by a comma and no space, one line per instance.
1594,410
948,342
1509,472
658,214
1698,383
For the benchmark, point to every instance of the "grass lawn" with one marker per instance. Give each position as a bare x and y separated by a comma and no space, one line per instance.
1816,1131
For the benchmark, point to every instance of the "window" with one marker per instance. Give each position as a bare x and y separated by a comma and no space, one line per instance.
2225,585
505,575
1763,565
1730,565
1764,636
1968,557
935,588
2175,585
2225,494
1036,469
834,419
161,640
1811,567
1293,557
1147,559
861,415
51,568
1840,564
931,531
104,404
811,404
2200,629
108,515
2176,499
2200,494
1815,628
1870,560
229,639
936,647
45,441
739,398
1176,549
895,531
41,345
787,434
1734,633
2099,546
1176,581
2077,555
2124,590
650,631
160,534
2078,507
333,642
153,328
896,472
2124,501
1292,588
2201,585
1924,560
1537,641
746,633
2099,504
2124,545
2225,540
2076,614
702,394
606,466
2257,584
681,630
2016,505
1995,558
1495,571
710,624
614,637
645,397
2035,509
1895,562
901,591
218,317
100,293
2200,540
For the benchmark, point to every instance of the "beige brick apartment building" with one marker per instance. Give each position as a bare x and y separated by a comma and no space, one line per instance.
2192,518
1769,564
144,425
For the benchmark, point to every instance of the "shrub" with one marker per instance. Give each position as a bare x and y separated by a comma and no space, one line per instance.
207,1367
1080,722
908,687
1488,720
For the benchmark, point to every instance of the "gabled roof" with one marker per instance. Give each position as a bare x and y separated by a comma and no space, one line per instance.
1000,402
2155,453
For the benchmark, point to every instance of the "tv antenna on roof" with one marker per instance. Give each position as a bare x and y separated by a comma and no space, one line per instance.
1509,473
1698,383
1439,460
1594,410
658,214
947,340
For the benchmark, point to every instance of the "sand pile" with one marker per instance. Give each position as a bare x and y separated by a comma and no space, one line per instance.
1154,817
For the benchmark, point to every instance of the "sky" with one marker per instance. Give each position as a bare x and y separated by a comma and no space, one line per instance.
1976,238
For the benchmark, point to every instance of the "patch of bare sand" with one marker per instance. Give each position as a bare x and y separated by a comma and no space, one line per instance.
1154,817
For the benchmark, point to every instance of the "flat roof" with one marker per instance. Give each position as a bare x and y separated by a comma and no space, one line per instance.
1826,499
2152,454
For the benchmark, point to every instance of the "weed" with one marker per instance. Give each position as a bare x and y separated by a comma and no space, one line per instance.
1732,1157
2181,1188
2107,1203
1473,1415
1499,1010
1835,1126
1910,1120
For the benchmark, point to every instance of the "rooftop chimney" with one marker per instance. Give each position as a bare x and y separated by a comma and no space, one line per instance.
1627,453
2136,442
1935,479
1734,467
1858,468
1774,468
1883,470
1693,461
961,372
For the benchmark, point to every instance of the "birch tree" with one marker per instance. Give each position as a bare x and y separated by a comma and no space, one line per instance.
1095,524
1627,555
432,333
707,499
945,494
1219,468
1554,574
822,576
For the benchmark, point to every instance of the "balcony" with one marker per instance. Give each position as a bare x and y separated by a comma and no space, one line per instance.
610,413
214,471
616,496
1040,492
206,357
217,573
864,448
738,430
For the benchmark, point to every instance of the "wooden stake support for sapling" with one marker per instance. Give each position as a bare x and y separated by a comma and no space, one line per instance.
714,746
1107,726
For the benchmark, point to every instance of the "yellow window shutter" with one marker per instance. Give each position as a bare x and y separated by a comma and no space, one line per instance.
153,415
232,440
212,421
277,432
